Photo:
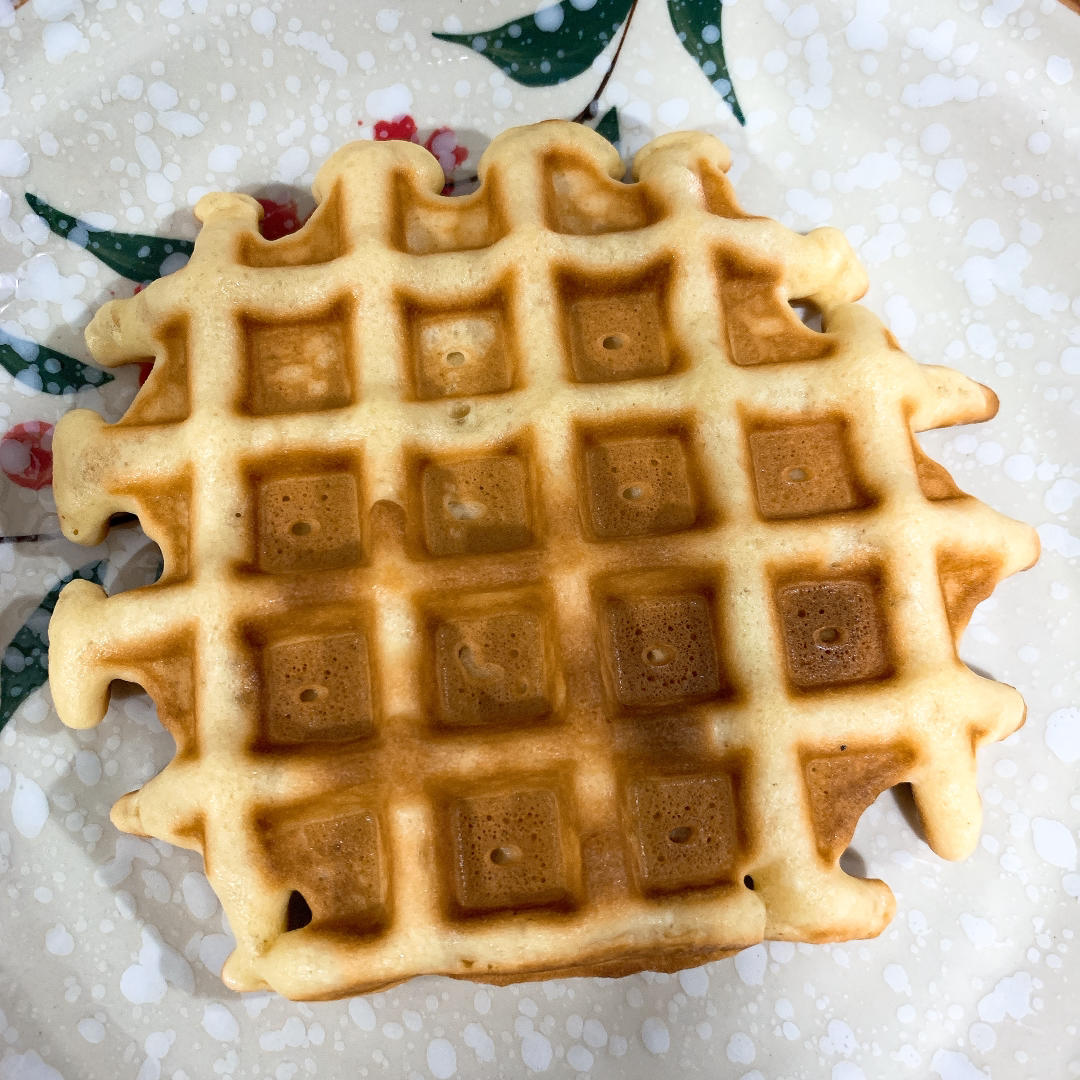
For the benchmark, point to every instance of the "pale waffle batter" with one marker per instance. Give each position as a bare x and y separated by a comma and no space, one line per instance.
541,595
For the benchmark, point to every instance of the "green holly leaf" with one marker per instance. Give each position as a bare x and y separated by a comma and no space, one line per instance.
137,257
697,24
556,43
45,369
25,662
608,126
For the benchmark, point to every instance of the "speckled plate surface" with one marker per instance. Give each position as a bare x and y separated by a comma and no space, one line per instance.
941,138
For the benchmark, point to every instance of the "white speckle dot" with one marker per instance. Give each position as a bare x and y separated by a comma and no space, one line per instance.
935,138
88,767
536,1051
387,19
847,1070
579,1059
978,931
441,1059
750,965
595,1034
1011,996
741,1049
479,1041
838,1039
694,982
93,1031
263,20
29,807
1054,842
361,1013
673,111
224,158
14,160
1038,142
291,164
58,941
1061,495
61,40
388,102
162,96
655,1035
951,173
129,87
896,978
550,18
199,897
802,21
1059,69
219,1023
1063,734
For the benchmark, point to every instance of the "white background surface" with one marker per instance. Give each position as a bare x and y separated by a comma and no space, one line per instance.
943,139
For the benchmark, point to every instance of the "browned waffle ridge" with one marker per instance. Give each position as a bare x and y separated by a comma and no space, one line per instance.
541,595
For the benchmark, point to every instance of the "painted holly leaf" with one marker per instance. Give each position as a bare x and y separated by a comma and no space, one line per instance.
25,663
137,257
697,24
41,368
556,43
608,126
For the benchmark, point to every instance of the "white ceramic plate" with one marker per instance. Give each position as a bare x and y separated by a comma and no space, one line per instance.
941,138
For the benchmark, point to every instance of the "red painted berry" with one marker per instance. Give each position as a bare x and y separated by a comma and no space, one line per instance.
401,127
442,142
279,218
26,454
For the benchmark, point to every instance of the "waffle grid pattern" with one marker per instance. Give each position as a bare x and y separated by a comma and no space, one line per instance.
421,431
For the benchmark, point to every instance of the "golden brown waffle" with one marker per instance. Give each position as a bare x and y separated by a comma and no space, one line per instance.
541,595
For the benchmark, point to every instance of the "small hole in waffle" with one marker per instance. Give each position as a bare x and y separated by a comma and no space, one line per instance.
476,505
833,632
459,411
663,650
523,829
639,482
298,912
315,688
490,668
617,331
807,313
687,831
804,469
308,520
334,863
456,352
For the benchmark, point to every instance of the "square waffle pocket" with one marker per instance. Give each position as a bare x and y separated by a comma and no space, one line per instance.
541,595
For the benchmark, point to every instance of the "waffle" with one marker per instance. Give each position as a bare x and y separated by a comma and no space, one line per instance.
541,595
